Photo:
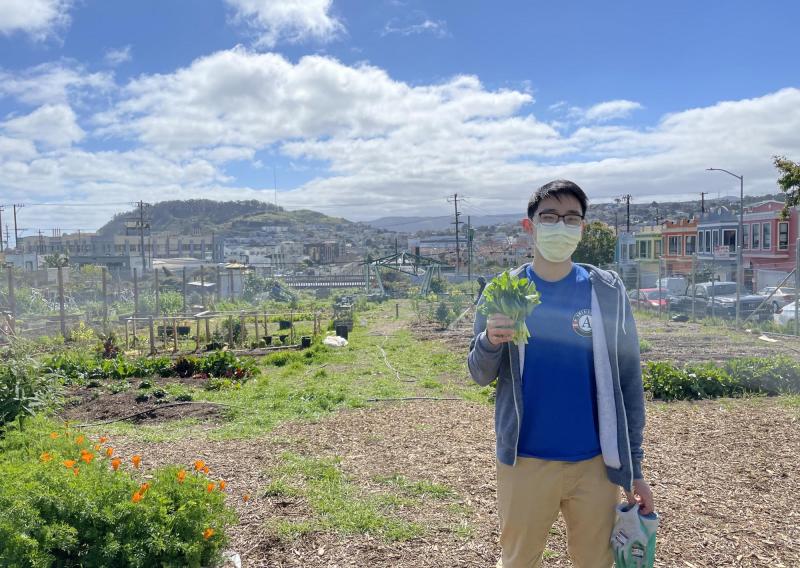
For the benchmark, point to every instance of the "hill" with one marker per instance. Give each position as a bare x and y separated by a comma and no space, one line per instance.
226,217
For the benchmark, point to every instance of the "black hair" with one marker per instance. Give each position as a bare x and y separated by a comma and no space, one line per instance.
557,189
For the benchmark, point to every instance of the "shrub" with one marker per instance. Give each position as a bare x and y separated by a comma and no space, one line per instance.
25,388
72,507
770,375
224,364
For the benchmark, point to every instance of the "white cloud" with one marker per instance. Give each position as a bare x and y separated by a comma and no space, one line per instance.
52,125
57,82
384,146
118,56
601,112
287,20
240,98
39,19
437,28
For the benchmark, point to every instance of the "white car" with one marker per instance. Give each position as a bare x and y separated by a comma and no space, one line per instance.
780,297
787,314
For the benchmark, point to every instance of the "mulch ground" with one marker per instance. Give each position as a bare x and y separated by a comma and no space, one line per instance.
724,474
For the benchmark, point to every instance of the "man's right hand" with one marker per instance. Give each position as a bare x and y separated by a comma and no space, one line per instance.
499,329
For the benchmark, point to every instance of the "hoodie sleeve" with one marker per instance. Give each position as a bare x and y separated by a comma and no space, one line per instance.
484,358
630,377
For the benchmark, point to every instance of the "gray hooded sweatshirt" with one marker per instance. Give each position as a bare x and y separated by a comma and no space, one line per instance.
618,377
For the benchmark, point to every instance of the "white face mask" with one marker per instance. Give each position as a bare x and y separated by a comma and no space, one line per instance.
557,242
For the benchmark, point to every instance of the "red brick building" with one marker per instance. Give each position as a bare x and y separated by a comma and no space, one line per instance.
679,243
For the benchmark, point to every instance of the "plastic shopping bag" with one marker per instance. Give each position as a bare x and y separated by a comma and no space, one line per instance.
634,537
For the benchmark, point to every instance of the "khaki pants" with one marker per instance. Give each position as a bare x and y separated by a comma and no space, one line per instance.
529,497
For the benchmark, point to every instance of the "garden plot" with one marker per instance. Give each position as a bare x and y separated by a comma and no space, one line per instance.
721,472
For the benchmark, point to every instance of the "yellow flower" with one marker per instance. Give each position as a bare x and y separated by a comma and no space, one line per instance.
79,439
53,435
45,457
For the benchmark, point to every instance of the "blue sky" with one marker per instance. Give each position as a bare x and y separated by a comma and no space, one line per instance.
385,107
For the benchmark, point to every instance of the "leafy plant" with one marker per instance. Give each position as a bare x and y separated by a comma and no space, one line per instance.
513,297
24,388
77,503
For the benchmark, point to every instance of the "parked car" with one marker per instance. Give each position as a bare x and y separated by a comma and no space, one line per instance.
781,297
673,284
650,298
787,314
718,299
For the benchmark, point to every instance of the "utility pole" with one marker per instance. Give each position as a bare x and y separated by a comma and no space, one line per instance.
627,199
703,202
456,223
141,235
469,251
1,229
16,233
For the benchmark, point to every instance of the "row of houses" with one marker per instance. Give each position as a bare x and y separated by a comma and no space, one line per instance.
768,252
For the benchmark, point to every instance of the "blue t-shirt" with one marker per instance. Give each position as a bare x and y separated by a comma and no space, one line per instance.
558,389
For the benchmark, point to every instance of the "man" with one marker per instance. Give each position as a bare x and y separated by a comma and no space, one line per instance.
569,413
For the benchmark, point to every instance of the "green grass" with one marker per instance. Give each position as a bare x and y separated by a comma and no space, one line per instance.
791,401
308,385
419,488
337,505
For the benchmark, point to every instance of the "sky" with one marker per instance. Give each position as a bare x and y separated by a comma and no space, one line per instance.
374,108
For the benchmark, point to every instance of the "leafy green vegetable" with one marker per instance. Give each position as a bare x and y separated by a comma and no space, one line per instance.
513,297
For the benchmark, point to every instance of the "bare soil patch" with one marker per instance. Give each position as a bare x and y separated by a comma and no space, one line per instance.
95,404
723,472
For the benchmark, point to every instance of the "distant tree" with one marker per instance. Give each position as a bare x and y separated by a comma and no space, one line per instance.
789,181
597,245
56,260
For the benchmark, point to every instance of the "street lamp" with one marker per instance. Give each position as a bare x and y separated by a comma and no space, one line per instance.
739,239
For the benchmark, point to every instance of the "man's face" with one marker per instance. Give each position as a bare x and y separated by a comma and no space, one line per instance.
563,205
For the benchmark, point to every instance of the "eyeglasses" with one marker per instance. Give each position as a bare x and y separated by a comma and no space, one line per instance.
570,220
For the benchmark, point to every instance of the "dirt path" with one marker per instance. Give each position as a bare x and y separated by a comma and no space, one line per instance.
723,474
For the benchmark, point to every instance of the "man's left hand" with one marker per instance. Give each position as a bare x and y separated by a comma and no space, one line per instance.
641,495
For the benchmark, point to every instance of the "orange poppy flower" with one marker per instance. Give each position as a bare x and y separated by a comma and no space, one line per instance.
79,440
206,470
208,533
136,497
87,456
210,487
222,485
103,439
181,476
53,435
144,488
245,497
75,470
45,457
199,464
137,459
97,447
69,463
109,452
115,463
